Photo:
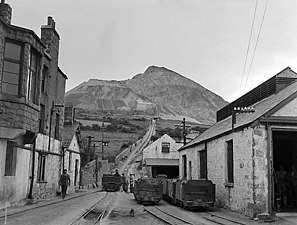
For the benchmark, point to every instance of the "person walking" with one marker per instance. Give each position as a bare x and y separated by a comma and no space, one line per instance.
64,182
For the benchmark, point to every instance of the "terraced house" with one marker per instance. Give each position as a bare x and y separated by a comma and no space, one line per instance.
32,88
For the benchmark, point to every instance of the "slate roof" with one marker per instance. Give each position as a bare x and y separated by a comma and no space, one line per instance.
68,132
261,108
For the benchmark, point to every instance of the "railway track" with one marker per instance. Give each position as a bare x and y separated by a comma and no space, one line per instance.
95,215
205,218
165,216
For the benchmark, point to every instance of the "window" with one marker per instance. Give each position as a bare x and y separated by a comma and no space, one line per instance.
10,161
41,119
190,170
57,126
41,168
184,162
203,164
230,170
44,78
165,147
32,77
9,82
70,158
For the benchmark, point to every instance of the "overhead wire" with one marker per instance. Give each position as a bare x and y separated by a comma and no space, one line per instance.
252,60
248,47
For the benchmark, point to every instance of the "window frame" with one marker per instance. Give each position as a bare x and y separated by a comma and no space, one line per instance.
19,62
41,168
203,164
229,163
165,147
184,167
10,163
32,76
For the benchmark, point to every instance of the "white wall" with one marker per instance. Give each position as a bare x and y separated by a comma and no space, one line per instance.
249,153
154,150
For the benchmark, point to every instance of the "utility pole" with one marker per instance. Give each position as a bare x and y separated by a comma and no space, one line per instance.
96,161
103,128
89,147
184,130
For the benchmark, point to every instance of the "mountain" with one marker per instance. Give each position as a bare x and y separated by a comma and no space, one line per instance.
157,90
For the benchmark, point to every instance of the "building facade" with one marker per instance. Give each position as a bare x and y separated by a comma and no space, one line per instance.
29,111
242,151
161,157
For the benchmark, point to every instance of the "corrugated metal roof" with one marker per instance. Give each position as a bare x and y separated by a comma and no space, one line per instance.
161,162
261,108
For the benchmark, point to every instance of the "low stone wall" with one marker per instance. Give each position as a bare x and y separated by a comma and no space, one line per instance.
89,174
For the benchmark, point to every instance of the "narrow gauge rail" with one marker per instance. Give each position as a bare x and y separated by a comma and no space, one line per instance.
172,219
221,220
165,216
96,218
46,205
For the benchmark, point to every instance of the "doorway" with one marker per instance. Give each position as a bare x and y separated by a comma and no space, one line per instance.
285,171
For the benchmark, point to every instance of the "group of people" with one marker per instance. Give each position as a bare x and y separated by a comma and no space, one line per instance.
286,187
125,182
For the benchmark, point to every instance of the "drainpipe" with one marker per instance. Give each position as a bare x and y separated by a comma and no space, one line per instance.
269,167
33,166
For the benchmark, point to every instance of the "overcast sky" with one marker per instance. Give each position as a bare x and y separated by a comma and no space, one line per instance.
204,40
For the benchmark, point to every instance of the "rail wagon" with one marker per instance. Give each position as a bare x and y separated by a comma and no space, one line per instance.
111,182
148,190
195,193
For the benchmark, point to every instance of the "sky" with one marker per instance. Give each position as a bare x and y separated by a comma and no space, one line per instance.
207,41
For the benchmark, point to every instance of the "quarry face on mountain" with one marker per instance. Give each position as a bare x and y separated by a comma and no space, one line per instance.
157,91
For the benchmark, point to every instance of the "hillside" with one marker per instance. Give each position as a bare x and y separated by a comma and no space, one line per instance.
157,91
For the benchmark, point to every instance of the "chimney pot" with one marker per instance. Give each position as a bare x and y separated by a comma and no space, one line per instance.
2,1
49,20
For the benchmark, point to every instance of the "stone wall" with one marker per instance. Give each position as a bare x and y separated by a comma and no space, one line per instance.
249,192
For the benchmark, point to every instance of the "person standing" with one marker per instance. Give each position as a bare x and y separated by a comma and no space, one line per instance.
64,182
281,184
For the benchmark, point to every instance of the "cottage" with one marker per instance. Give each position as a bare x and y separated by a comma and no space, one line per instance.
32,88
242,151
161,157
72,149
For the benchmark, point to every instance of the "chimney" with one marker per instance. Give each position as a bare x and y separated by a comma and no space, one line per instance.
5,12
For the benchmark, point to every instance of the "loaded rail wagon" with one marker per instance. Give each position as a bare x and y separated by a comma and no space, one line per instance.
111,182
195,193
148,190
171,190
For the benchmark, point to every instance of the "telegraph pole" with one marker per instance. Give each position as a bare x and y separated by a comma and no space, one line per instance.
89,147
184,130
102,141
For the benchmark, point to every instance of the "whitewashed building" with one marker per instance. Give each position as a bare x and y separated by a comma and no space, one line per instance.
241,152
72,146
161,157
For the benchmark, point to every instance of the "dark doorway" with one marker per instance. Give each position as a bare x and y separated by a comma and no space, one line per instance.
285,176
170,171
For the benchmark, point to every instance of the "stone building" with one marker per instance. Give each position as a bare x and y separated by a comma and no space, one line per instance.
161,157
72,149
243,149
32,88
